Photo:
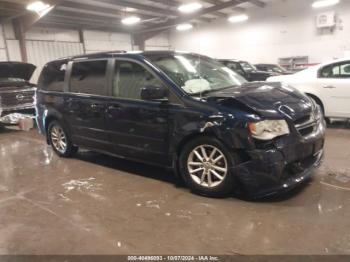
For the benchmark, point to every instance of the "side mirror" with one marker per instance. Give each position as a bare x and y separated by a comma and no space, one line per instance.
154,93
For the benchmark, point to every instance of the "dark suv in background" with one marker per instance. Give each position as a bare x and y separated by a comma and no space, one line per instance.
186,112
247,70
275,68
16,92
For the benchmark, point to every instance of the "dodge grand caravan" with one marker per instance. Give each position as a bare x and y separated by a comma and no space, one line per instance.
186,112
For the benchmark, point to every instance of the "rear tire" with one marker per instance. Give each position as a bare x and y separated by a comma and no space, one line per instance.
60,141
206,166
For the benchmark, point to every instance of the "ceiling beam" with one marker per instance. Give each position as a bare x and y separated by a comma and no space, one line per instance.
82,7
258,3
176,4
148,8
158,11
215,2
62,25
82,20
18,10
83,16
28,19
186,18
83,23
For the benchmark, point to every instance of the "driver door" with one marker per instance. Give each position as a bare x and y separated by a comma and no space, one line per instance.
138,129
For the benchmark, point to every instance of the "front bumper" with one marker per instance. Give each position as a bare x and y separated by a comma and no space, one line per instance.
12,116
290,162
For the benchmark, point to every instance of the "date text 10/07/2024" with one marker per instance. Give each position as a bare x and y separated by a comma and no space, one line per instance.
173,258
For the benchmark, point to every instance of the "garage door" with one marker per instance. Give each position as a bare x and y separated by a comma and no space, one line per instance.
41,52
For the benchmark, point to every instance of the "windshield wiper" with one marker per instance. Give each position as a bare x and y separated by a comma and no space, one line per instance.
212,90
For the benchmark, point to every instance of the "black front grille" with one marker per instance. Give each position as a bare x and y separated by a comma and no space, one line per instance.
307,124
17,98
302,120
306,131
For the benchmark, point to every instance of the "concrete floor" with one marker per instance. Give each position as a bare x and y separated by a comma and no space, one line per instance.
97,204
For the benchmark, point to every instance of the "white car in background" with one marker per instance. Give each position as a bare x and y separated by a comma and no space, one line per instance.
328,84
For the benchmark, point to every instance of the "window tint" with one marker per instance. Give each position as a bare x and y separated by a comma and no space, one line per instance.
89,77
130,78
235,67
336,71
345,70
52,77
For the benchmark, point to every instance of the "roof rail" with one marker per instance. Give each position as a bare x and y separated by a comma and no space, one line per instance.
99,54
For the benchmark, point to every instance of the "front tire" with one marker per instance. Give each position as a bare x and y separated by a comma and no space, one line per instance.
60,141
206,165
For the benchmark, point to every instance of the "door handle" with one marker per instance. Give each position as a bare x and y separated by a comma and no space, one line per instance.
96,106
114,107
329,87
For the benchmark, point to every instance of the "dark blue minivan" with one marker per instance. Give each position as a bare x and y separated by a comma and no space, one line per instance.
186,112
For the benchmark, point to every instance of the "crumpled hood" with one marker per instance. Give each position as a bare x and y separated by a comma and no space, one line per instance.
16,70
266,99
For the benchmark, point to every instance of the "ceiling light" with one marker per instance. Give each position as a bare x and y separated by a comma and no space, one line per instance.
189,8
184,27
130,9
238,18
131,20
324,3
37,6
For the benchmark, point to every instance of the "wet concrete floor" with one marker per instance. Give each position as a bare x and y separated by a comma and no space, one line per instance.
96,204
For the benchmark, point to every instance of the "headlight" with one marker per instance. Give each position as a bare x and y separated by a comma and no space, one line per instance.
268,129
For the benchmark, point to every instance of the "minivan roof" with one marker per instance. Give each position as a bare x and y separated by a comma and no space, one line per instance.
109,54
231,60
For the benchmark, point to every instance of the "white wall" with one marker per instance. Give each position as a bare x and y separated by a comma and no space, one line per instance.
284,28
159,42
46,44
3,50
98,41
12,45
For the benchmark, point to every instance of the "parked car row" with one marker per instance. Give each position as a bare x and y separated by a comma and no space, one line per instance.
247,70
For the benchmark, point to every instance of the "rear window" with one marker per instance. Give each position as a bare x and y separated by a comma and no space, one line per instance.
52,77
89,77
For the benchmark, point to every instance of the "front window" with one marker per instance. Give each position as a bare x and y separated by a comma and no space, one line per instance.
130,78
276,69
196,74
247,66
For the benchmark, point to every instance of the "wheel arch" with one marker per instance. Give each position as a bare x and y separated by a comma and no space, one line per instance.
52,116
318,101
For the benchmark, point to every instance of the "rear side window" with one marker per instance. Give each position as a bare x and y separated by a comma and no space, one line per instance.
89,77
340,70
52,77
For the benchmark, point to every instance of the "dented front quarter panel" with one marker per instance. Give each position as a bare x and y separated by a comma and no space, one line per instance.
199,117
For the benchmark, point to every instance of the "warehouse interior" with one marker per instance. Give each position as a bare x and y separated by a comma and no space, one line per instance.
99,204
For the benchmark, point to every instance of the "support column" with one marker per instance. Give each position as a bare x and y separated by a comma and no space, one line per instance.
20,36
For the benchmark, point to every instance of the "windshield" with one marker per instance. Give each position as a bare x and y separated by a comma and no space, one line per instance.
247,66
196,74
276,68
11,79
6,81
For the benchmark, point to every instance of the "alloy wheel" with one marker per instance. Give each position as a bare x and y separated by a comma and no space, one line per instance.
58,139
207,166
